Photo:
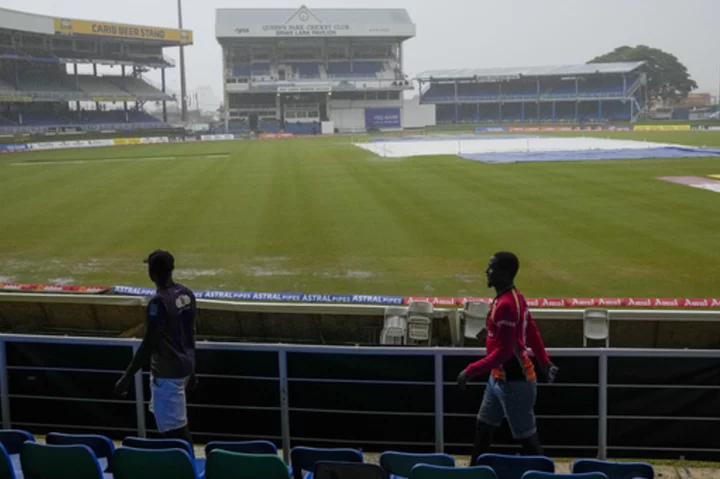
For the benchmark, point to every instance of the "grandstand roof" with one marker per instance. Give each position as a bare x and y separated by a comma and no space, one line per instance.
318,22
47,25
564,70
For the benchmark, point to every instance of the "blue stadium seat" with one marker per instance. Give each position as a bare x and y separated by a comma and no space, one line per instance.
245,447
550,475
303,459
156,444
131,463
348,470
614,470
13,440
101,446
513,467
424,471
7,468
400,464
44,461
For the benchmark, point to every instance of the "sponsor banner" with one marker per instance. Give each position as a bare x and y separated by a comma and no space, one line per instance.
275,297
217,137
382,118
661,128
127,141
491,129
13,147
113,98
53,288
66,26
155,139
434,300
619,128
12,98
535,129
271,136
713,128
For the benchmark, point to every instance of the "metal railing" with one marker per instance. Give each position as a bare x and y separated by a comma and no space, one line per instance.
438,376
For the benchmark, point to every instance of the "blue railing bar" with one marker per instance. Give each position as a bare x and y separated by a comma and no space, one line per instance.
668,449
267,437
239,408
362,441
71,399
4,389
139,398
439,390
284,405
65,370
351,411
230,376
602,405
517,446
539,416
663,418
544,385
361,381
664,386
66,427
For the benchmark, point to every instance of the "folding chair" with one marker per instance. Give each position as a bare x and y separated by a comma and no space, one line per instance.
399,464
550,475
305,458
348,470
475,318
13,440
419,322
423,471
43,461
131,463
101,446
513,467
7,470
596,326
154,444
235,465
615,470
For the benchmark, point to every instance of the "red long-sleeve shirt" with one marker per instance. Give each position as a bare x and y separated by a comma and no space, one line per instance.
511,330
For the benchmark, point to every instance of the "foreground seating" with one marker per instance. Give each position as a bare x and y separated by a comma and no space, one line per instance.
101,446
132,463
348,470
245,447
424,471
305,458
155,444
43,461
223,464
13,440
615,470
550,475
7,470
513,467
400,464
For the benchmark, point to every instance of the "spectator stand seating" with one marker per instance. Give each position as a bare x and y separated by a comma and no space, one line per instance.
614,470
101,446
550,475
513,467
303,459
45,461
424,471
155,444
400,464
348,470
223,464
132,463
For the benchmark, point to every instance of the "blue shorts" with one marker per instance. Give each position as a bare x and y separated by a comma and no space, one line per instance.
513,400
168,403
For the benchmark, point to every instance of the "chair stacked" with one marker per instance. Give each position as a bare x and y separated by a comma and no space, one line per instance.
89,456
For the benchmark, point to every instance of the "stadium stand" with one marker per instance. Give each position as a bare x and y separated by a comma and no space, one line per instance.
43,87
593,92
336,52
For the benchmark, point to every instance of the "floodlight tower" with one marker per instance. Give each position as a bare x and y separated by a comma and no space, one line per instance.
183,85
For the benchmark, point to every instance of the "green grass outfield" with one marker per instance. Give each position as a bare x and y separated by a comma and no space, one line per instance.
321,216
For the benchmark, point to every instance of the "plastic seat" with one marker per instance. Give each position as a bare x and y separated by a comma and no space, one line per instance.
13,440
7,470
305,458
44,461
154,444
400,464
131,463
101,446
348,470
550,475
223,464
513,467
424,471
615,470
244,447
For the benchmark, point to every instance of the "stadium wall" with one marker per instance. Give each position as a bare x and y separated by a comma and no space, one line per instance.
417,115
349,115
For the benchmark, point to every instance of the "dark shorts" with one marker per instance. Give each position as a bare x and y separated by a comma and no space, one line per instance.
511,400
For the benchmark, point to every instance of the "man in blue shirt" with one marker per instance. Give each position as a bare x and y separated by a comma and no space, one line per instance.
169,345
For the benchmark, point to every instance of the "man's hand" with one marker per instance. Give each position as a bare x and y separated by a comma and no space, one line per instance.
462,380
123,385
192,383
549,373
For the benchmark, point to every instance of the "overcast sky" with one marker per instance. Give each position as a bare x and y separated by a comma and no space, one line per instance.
456,33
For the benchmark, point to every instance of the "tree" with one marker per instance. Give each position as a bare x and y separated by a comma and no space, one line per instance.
668,79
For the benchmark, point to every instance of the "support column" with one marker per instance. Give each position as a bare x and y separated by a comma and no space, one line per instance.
164,103
94,69
77,81
553,110
477,113
600,111
126,111
577,112
522,111
500,117
624,77
632,109
17,76
457,107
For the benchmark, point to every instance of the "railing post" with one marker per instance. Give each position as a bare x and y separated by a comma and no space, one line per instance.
4,393
284,405
139,399
439,403
602,404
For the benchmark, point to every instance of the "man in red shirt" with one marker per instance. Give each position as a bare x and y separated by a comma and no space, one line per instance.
512,387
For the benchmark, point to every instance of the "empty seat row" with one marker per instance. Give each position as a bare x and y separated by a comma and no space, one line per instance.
66,456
